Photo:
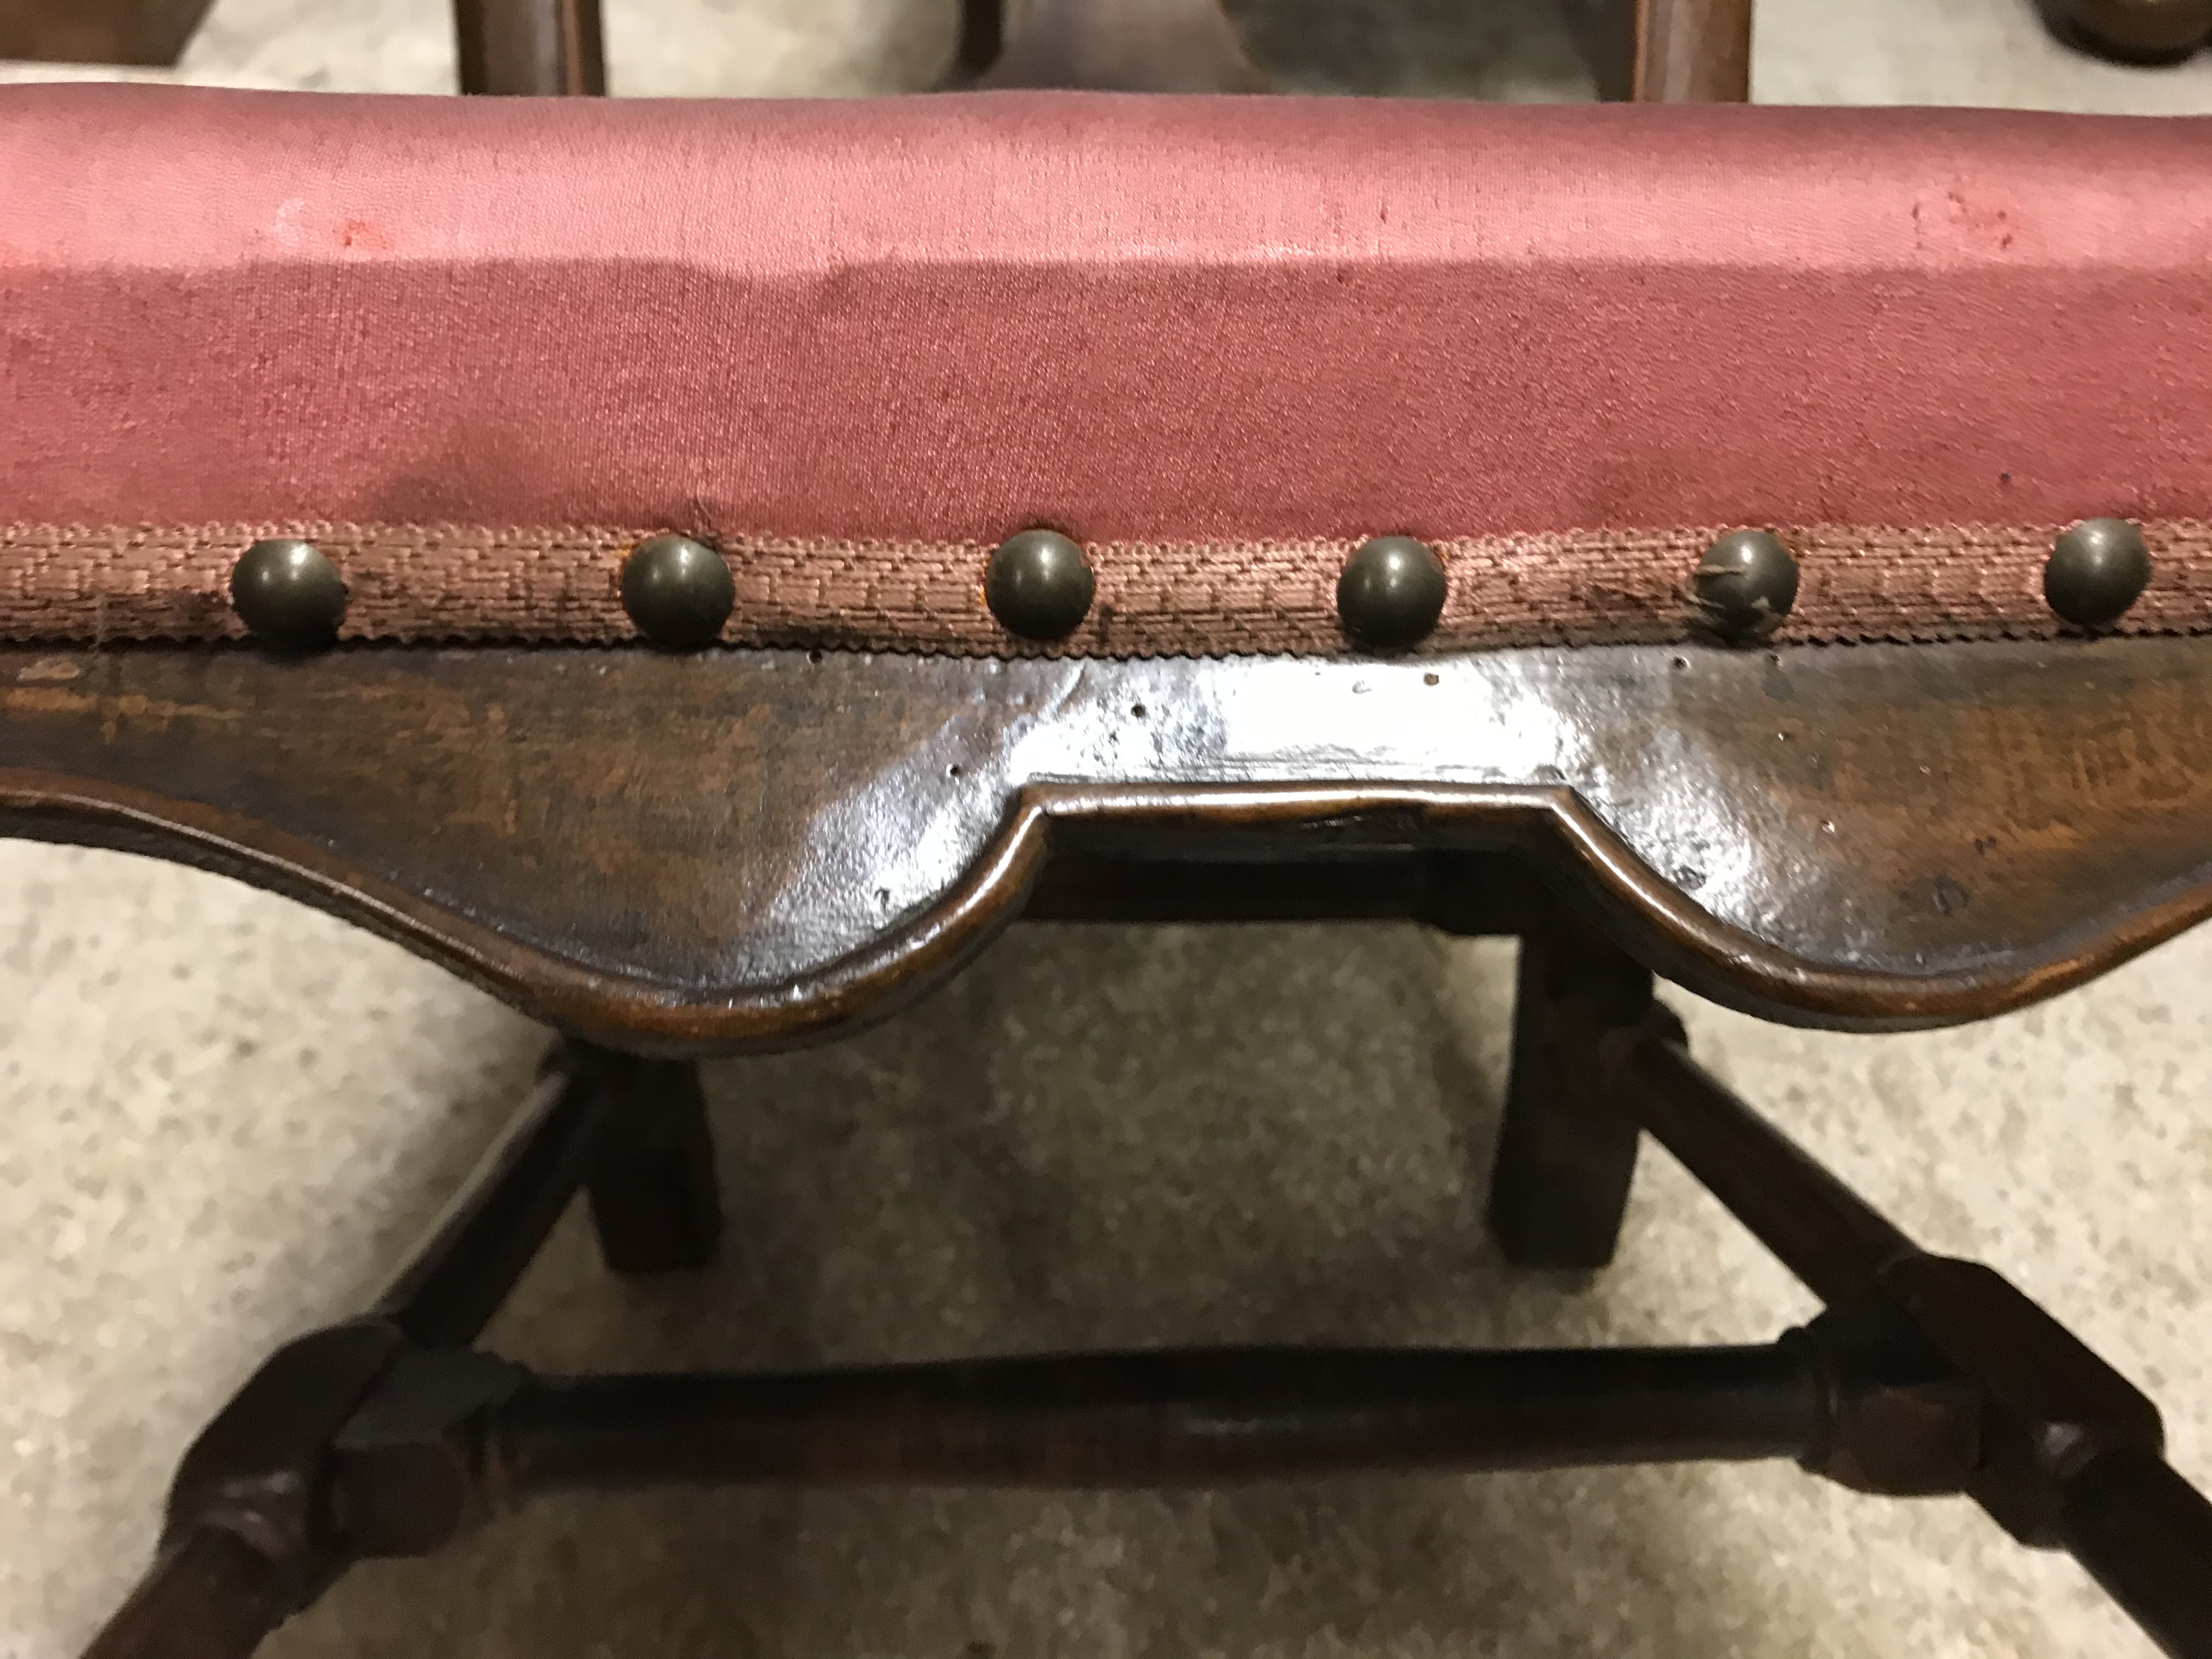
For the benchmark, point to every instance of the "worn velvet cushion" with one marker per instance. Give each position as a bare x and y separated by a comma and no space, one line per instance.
476,348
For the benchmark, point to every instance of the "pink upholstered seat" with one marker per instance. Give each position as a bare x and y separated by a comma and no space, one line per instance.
477,347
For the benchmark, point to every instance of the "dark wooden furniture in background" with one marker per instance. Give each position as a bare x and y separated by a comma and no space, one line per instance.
1874,837
1665,49
1662,51
2151,32
1149,46
555,49
143,31
1669,51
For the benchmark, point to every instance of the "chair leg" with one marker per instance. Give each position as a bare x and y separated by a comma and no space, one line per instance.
249,1538
530,48
1566,1153
1116,46
982,37
2058,1447
1667,51
651,1187
388,1436
2132,31
208,1595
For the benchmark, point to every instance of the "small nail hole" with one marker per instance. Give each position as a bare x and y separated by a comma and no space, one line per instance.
951,771
1137,709
1432,679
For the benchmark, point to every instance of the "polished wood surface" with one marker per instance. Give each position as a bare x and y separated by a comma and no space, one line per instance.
145,32
704,852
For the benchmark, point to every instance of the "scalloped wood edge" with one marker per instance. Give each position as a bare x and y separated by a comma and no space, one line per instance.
1589,861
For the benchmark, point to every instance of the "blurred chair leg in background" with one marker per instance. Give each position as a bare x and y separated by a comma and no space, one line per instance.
982,37
1666,51
531,48
2132,31
148,32
1106,45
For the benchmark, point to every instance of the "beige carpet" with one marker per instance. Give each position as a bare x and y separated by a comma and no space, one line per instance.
224,1117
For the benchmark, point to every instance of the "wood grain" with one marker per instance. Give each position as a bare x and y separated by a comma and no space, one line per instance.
742,848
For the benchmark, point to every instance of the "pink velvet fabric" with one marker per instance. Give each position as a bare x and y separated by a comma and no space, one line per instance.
1190,321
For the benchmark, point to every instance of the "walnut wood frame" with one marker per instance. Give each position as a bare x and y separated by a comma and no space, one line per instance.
751,849
745,850
698,854
390,1435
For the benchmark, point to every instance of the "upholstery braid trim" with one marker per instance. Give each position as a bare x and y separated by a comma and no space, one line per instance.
451,583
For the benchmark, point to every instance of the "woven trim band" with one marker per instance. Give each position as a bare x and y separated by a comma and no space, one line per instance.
1154,598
